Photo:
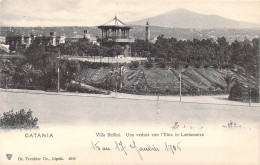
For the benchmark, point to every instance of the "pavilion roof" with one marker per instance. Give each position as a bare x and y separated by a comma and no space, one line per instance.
115,22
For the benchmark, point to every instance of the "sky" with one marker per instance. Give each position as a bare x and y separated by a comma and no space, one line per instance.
98,12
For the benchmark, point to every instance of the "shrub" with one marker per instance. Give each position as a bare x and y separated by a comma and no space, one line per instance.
106,65
148,65
215,66
73,87
176,65
162,65
18,120
238,92
197,65
206,65
134,64
95,65
255,94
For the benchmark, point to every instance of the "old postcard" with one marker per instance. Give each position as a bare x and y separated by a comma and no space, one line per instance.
129,82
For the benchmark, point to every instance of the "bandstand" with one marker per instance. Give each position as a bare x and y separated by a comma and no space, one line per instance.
118,33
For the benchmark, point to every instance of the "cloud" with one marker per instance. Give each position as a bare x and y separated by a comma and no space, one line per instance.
96,12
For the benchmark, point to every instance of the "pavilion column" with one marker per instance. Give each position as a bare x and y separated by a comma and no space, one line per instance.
113,33
127,33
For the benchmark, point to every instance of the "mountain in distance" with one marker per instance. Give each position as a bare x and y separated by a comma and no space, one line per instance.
183,18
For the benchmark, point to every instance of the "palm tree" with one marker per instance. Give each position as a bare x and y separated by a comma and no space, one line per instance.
229,79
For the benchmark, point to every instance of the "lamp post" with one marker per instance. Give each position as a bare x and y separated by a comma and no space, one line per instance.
116,76
116,88
58,83
158,110
6,80
249,96
180,75
180,86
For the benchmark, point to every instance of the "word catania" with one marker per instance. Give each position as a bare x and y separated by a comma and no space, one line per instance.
38,135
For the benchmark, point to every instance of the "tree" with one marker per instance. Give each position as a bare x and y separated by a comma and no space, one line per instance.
237,92
229,79
69,69
29,77
7,71
35,53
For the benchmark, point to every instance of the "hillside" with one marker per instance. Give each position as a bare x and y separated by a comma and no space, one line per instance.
182,18
165,81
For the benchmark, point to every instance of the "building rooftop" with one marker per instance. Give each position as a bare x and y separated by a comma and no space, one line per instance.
76,37
115,23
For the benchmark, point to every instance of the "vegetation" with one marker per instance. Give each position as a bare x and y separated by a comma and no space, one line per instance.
240,92
148,65
210,66
7,70
134,64
202,53
18,120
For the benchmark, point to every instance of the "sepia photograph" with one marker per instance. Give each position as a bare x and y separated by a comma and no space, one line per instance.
127,82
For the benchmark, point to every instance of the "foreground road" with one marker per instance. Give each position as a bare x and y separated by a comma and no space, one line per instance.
53,108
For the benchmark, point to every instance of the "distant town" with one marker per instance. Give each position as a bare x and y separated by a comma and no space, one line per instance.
136,32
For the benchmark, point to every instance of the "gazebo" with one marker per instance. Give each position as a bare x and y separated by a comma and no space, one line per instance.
118,32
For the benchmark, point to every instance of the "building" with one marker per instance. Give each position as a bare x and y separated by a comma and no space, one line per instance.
25,40
2,40
118,33
4,48
86,34
147,32
52,39
21,40
18,40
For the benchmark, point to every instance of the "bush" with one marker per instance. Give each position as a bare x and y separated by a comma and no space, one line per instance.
255,94
134,64
148,65
176,65
239,92
161,65
18,120
197,65
74,87
206,65
215,66
95,65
